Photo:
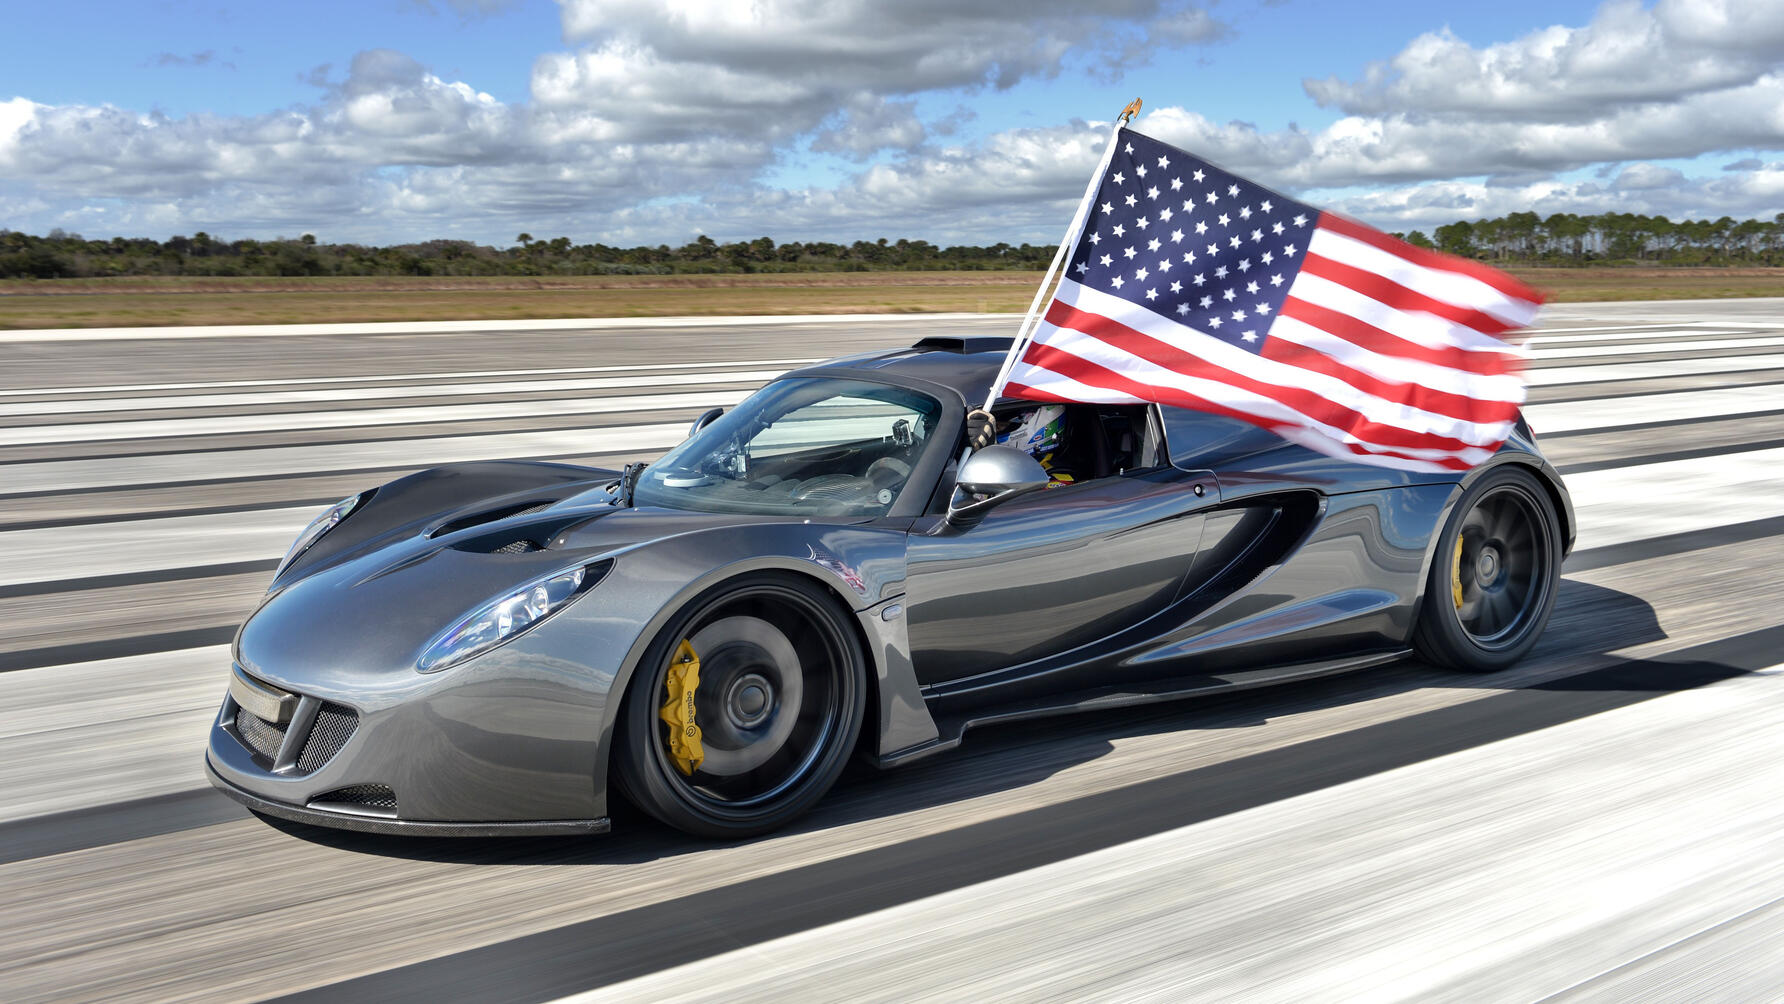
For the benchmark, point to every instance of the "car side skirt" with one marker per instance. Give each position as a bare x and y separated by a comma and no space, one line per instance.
952,729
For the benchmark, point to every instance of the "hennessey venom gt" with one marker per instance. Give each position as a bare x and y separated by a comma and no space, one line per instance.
485,648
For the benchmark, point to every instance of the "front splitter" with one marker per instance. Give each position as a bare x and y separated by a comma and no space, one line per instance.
405,827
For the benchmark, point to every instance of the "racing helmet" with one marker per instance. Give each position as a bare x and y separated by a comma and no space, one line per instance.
1036,431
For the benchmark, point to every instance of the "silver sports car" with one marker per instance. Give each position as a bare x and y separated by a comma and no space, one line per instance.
496,647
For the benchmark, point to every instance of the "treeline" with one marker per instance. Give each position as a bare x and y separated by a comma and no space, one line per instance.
1562,239
60,255
1611,238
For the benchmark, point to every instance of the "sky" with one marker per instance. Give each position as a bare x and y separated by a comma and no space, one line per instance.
654,121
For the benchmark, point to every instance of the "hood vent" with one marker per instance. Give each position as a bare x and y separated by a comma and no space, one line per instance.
491,515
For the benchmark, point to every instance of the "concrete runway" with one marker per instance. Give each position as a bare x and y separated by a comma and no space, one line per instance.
1602,822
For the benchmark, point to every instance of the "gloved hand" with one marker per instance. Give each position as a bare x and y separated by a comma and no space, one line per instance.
981,429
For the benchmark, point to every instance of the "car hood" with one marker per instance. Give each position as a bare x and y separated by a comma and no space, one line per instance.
370,616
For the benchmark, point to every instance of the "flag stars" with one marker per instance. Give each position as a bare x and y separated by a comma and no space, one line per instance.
1083,268
1117,178
1153,244
1225,219
1250,336
1189,257
1214,322
1141,223
1152,193
1164,264
1164,215
1251,287
1164,162
1176,287
1141,274
1214,249
1300,221
1118,230
1228,295
1221,272
1182,308
1289,250
1276,280
1201,277
1276,228
1130,252
1233,190
1176,184
1257,235
1140,170
1133,200
1096,238
1107,261
1198,175
1152,294
1235,242
1117,282
1201,226
1262,309
1265,206
1245,264
1189,205
1176,237
1213,197
1129,148
1245,212
1267,257
1238,315
1206,302
1108,208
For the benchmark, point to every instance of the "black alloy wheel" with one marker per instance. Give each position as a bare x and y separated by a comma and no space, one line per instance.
1495,575
778,706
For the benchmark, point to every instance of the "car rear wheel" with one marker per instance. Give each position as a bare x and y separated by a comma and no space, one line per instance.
1494,580
744,710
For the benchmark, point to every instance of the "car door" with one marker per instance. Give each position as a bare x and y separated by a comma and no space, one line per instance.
1051,571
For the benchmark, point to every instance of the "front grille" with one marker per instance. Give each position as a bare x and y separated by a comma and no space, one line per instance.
375,796
334,726
258,734
519,547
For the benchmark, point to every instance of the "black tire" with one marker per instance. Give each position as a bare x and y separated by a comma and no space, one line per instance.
1495,575
781,695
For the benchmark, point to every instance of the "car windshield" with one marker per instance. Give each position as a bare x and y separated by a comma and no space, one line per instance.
805,446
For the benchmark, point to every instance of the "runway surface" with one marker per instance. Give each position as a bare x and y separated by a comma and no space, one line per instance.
1605,821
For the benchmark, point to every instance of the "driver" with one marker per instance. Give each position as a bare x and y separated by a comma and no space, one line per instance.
1037,431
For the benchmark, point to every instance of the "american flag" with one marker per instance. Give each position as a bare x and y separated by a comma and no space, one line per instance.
1193,287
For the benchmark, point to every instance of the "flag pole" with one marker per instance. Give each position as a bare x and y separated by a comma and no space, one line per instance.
1029,323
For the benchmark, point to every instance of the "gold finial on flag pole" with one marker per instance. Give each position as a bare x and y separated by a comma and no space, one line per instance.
1132,109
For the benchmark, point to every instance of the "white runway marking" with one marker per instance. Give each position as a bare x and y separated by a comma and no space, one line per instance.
1508,871
342,394
1653,500
1684,405
85,432
1542,352
1555,375
131,388
76,475
586,325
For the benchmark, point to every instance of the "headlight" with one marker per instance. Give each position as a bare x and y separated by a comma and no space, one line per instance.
319,526
502,619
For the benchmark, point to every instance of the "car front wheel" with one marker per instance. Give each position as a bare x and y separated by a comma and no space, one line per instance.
744,710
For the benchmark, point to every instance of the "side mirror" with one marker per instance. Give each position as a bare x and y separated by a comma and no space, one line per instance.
706,418
991,477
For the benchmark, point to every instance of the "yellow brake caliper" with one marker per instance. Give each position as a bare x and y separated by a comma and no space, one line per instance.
1456,574
678,713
